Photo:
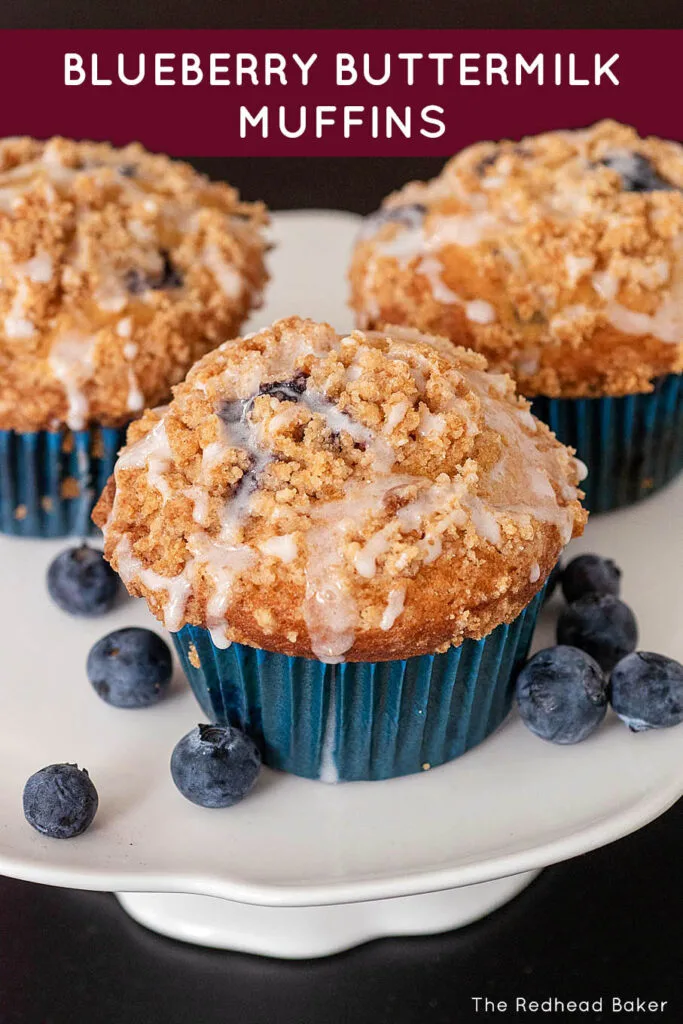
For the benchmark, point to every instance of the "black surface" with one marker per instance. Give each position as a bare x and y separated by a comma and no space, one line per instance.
606,924
603,925
346,14
319,183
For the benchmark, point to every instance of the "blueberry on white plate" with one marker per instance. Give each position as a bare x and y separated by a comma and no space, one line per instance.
590,574
80,582
647,691
60,801
215,765
601,625
130,668
562,694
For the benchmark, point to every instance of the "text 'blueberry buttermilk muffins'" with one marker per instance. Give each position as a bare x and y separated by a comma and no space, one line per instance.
560,258
315,517
118,270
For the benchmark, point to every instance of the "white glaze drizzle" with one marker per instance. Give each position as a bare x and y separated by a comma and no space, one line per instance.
328,771
283,546
243,434
18,325
330,609
523,461
178,588
432,424
666,323
605,284
394,608
153,453
480,312
426,243
397,413
135,399
71,360
227,277
483,520
38,269
581,469
577,267
223,562
199,497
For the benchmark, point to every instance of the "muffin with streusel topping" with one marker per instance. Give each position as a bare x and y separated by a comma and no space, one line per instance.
348,538
119,270
560,258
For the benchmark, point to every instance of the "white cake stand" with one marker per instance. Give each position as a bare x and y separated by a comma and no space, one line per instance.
302,869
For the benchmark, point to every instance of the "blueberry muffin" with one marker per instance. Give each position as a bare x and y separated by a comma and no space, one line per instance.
119,270
560,258
348,537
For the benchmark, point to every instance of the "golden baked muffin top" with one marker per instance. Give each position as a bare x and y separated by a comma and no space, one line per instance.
559,257
351,498
119,269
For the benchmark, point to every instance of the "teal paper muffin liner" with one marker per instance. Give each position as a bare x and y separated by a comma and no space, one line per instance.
47,491
347,722
632,445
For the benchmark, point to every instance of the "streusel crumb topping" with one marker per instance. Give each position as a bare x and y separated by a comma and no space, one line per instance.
559,257
351,498
119,269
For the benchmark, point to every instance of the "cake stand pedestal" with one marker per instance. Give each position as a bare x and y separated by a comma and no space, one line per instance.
300,932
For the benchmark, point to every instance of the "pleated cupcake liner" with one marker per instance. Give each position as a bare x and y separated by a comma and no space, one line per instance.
632,445
348,722
50,480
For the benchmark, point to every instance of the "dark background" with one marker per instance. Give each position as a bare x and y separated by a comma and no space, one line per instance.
605,924
342,14
322,183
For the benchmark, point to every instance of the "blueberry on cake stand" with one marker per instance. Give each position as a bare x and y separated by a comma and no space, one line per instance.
301,868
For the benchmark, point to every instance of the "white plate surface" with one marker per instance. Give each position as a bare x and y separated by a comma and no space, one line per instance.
513,804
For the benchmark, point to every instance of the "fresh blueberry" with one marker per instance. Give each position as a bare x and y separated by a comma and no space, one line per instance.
601,625
409,216
637,173
138,281
215,765
81,582
590,574
562,694
60,801
647,691
130,668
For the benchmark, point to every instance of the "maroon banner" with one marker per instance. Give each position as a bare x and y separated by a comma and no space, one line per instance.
329,93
